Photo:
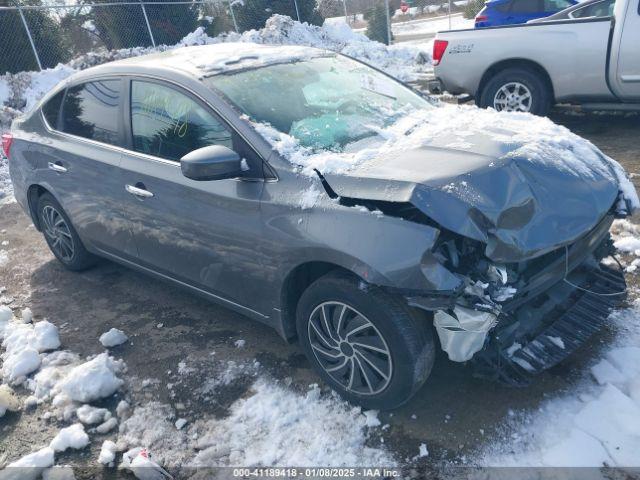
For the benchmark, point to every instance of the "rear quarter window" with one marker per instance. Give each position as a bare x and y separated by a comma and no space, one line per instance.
92,110
51,109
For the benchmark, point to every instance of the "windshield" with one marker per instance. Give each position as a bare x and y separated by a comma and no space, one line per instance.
326,103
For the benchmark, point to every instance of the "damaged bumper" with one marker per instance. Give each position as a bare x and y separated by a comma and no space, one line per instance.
559,299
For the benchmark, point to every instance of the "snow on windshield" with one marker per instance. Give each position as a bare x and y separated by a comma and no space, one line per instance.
325,103
464,128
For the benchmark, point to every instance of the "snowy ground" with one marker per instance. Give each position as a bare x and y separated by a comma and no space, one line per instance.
431,26
240,396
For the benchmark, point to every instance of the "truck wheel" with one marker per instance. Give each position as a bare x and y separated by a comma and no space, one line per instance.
516,90
60,235
369,346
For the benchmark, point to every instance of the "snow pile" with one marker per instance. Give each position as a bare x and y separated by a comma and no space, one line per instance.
30,466
22,345
268,426
91,380
70,437
403,62
107,452
113,338
626,237
91,415
5,92
272,427
518,135
596,424
8,400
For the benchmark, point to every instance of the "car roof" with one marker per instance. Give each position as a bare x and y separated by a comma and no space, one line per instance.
205,60
562,14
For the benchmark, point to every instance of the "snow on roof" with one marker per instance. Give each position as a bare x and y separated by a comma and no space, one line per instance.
210,59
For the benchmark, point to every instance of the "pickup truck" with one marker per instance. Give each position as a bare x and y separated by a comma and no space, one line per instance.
594,62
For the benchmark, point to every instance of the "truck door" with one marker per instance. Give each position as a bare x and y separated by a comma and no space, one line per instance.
625,60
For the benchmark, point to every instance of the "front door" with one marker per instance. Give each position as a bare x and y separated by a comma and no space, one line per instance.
202,233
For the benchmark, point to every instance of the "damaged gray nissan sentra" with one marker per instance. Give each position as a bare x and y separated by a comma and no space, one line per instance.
333,203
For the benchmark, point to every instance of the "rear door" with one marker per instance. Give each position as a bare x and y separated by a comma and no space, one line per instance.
79,162
625,54
203,233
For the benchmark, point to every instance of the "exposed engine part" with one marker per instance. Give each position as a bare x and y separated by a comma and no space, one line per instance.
463,333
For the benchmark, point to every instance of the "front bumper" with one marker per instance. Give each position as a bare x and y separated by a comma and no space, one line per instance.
514,357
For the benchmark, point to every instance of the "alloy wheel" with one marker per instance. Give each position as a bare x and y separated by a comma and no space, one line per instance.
57,231
513,97
349,348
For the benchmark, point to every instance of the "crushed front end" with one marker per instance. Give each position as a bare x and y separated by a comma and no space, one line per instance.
514,320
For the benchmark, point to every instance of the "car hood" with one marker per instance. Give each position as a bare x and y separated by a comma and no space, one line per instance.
518,207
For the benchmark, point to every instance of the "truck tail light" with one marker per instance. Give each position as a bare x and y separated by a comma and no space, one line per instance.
7,140
439,47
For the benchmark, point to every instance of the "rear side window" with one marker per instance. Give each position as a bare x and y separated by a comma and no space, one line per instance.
503,7
553,5
525,6
51,109
600,9
91,110
168,124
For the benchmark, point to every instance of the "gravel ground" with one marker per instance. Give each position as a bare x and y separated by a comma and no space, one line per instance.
448,414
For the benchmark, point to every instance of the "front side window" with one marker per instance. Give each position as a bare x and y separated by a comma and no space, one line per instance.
51,109
168,124
92,110
325,103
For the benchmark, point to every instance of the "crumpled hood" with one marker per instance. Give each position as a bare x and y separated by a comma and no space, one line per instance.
485,190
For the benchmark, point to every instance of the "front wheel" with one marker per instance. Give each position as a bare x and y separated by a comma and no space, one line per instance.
369,346
517,90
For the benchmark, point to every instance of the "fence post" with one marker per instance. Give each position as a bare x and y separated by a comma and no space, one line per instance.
449,14
295,2
386,7
346,17
233,17
146,19
26,27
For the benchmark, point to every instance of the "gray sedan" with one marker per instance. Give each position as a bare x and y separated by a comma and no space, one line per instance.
192,166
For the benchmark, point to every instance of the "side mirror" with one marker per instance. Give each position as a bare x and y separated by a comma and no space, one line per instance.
214,162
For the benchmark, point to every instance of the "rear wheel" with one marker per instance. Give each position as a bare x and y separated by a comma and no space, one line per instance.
60,235
517,90
368,345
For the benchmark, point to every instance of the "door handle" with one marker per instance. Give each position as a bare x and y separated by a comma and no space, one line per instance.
138,192
56,167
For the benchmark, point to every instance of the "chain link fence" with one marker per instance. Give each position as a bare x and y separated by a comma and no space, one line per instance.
36,35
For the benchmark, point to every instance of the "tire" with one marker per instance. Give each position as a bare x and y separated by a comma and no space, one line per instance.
405,349
540,93
61,237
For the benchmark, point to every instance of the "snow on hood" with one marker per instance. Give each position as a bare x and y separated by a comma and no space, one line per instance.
506,179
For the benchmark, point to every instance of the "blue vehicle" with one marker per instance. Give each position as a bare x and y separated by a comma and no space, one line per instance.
511,12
